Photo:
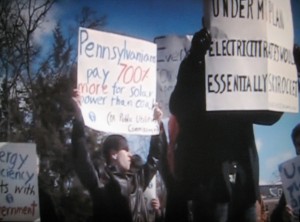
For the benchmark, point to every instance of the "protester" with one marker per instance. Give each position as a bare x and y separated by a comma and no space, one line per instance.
117,195
48,209
207,144
283,212
48,212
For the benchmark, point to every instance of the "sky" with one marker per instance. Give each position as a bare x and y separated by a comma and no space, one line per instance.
147,19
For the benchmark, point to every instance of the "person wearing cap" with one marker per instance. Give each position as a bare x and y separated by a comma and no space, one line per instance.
117,192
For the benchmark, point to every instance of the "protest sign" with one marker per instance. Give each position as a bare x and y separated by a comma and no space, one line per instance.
19,197
290,177
116,80
150,193
171,50
250,64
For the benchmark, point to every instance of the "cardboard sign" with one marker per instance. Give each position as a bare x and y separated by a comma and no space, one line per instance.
171,50
290,177
117,82
19,197
250,64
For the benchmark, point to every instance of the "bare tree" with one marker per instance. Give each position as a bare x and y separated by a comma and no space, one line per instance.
18,21
36,89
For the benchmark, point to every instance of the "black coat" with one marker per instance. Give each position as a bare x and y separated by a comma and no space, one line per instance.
209,141
116,196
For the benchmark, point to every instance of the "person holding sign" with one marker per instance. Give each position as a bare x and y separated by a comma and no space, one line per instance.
283,212
208,143
117,195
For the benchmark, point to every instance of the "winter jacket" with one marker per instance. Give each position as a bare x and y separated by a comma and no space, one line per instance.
209,141
115,196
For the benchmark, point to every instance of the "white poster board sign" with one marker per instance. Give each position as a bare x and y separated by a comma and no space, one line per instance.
290,177
117,82
150,193
171,50
19,197
250,64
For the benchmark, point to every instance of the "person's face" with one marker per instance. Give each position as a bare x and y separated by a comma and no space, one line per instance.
123,159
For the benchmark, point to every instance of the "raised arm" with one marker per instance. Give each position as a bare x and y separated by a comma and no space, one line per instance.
82,161
157,144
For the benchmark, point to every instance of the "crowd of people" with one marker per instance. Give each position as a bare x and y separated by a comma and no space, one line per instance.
197,162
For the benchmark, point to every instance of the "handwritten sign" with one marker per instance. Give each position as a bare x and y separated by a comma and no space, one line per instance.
290,177
171,50
250,63
19,197
116,81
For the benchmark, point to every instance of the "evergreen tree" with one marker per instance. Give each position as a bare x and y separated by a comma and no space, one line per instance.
36,89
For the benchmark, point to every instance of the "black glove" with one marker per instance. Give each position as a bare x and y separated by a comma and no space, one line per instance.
200,44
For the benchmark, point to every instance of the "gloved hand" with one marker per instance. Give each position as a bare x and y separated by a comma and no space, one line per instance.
296,53
200,44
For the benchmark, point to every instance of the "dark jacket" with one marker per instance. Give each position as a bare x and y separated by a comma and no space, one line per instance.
209,141
115,196
279,213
